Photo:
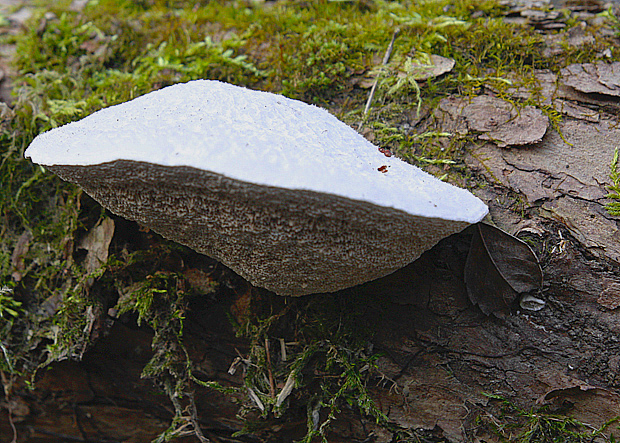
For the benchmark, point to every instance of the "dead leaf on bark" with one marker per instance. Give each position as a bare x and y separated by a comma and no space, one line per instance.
427,397
425,67
97,242
435,66
561,384
592,404
500,122
499,268
599,77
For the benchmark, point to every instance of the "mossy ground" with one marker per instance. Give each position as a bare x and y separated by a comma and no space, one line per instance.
72,63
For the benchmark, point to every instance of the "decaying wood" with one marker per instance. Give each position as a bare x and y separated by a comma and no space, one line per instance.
441,356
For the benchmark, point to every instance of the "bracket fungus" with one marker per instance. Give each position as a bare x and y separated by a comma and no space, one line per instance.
282,192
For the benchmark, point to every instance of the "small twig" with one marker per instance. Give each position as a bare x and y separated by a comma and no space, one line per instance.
386,59
283,349
256,399
286,390
191,420
243,359
12,423
234,365
7,386
272,387
194,419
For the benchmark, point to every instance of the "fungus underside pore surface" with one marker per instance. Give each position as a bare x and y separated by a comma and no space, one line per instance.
72,63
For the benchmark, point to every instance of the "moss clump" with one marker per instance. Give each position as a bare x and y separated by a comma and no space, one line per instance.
542,425
614,189
292,341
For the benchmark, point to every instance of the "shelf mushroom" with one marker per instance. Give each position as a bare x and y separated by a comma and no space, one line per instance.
282,192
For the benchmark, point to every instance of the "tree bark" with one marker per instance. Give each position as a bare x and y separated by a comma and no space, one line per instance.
440,358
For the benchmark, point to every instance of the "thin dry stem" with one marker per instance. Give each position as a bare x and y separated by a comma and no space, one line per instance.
386,59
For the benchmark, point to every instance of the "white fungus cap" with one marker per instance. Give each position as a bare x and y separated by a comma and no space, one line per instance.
255,137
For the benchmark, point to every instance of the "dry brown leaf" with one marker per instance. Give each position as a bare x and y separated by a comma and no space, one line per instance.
97,242
437,66
418,69
561,384
499,268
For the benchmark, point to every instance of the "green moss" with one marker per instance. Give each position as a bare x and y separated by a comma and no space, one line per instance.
614,190
322,335
543,425
9,307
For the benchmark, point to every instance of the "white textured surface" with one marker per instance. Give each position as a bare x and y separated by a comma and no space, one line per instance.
256,137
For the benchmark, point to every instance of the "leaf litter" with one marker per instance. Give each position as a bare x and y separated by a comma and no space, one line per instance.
499,269
566,176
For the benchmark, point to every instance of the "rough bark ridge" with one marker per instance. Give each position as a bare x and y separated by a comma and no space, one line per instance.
441,355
